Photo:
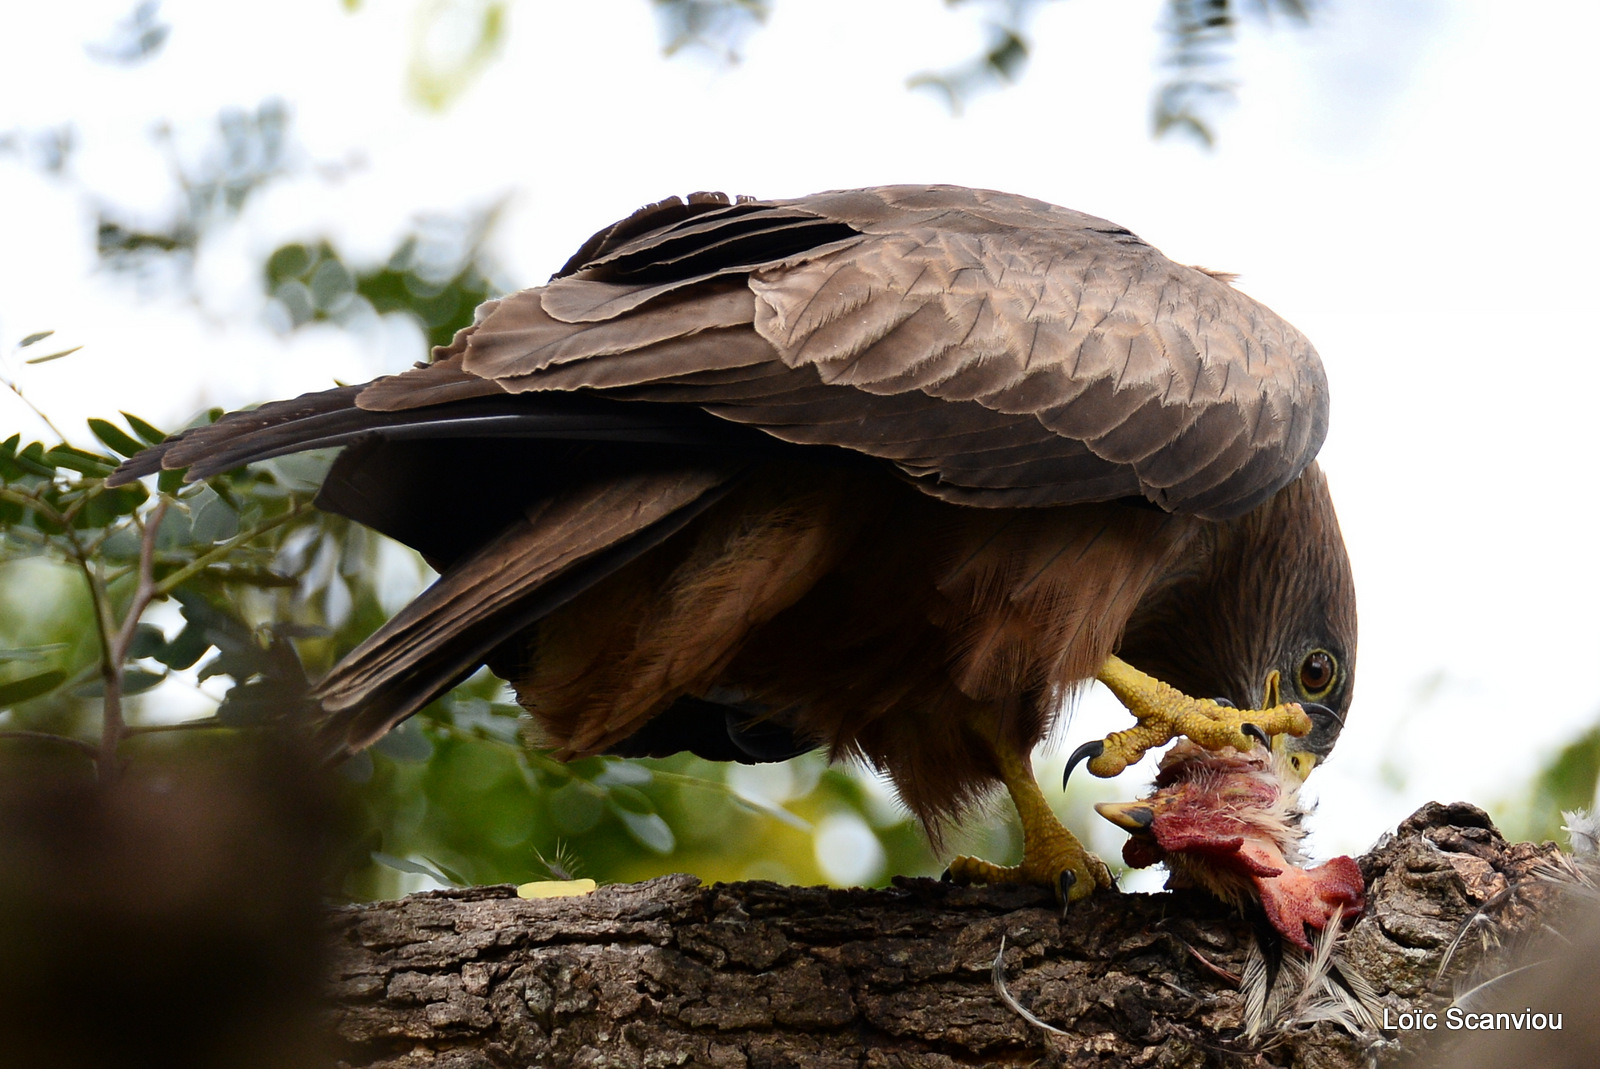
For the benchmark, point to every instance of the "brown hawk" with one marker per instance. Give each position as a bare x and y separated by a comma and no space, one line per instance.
887,471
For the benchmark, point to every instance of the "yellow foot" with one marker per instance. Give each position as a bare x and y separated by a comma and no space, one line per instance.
1164,713
1068,869
1051,855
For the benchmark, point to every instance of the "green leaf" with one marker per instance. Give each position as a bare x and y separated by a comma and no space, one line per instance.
148,641
454,876
621,773
629,800
649,829
31,338
108,506
118,440
400,864
20,690
212,519
183,651
31,460
53,356
144,430
134,681
31,653
80,460
137,680
575,808
288,261
170,481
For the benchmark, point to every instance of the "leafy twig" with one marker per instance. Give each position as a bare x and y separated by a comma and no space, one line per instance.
216,553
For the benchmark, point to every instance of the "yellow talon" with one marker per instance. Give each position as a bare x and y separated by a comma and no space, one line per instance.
1164,713
1051,855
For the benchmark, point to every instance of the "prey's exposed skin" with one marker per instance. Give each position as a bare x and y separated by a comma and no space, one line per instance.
1052,856
1230,823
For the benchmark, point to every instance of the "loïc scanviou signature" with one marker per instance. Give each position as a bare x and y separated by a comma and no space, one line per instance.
1456,1019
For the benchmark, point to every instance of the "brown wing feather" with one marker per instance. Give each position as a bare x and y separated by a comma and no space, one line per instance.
1056,314
1102,367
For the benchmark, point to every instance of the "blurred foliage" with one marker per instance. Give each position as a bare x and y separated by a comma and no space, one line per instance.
48,150
1200,34
1198,39
134,39
1567,782
454,41
201,611
716,26
437,275
247,151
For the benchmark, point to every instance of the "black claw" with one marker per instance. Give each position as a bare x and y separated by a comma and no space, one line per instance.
1255,732
945,877
1316,711
1064,885
1092,749
1225,703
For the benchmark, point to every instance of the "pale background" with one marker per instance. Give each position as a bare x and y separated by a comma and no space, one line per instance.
1404,182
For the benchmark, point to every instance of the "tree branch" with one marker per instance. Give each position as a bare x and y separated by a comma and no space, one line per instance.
670,972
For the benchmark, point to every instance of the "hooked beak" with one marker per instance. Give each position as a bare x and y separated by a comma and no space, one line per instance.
1129,816
1300,761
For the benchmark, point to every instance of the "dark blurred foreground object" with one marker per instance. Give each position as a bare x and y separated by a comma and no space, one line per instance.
886,472
173,919
670,972
1537,1002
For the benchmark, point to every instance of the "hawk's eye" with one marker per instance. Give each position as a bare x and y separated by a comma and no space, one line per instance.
1317,672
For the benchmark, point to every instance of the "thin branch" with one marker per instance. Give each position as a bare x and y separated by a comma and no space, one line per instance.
14,388
32,501
204,723
110,675
44,736
145,591
113,725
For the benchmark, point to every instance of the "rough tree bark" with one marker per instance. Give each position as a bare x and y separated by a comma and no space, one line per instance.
670,972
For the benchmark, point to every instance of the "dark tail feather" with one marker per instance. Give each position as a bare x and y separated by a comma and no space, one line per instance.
271,430
562,547
320,421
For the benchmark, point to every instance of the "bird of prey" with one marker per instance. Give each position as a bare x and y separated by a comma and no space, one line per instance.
890,472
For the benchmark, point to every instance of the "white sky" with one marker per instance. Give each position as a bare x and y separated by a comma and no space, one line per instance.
1405,182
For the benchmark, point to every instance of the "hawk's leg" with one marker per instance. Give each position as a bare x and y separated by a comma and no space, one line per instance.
1051,855
1164,713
